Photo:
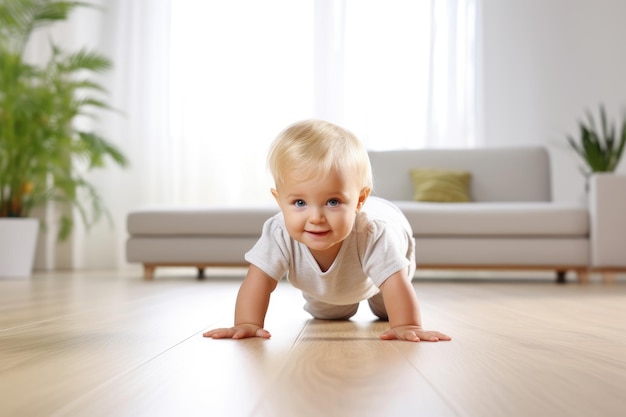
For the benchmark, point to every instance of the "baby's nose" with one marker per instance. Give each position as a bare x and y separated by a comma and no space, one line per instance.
317,216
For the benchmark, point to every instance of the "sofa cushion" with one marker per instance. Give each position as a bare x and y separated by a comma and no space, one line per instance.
219,250
514,252
440,185
208,221
496,219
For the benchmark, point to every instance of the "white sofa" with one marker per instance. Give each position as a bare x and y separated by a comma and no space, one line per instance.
511,223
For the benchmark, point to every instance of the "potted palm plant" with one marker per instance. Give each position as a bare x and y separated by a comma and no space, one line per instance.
43,152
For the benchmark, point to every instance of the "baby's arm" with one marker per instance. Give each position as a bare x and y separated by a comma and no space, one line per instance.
252,302
403,311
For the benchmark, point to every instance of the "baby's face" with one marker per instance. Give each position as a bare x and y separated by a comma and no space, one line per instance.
320,212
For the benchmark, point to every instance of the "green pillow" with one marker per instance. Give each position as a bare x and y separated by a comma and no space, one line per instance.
441,186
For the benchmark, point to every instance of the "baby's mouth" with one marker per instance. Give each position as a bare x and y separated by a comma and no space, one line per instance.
317,232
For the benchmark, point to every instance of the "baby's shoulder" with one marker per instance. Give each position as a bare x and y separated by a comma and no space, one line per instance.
275,228
367,225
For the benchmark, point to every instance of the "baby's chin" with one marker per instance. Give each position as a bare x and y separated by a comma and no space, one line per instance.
320,247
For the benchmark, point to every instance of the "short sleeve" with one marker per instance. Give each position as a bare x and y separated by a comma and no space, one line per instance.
272,252
386,249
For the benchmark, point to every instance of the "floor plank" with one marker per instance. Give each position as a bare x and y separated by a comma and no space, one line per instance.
530,350
108,343
69,349
344,369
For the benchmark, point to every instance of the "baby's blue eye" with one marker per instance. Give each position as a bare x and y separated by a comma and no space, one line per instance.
333,202
299,203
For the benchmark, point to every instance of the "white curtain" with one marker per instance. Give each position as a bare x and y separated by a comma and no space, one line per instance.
409,74
399,73
241,70
205,85
135,35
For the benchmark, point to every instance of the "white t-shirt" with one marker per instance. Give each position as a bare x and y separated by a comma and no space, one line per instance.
381,243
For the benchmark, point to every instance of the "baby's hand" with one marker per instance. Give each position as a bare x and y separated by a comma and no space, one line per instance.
413,334
240,331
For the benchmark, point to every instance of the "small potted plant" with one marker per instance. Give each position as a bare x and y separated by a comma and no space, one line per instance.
43,152
600,148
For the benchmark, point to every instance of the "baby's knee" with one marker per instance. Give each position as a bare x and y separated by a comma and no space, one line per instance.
377,305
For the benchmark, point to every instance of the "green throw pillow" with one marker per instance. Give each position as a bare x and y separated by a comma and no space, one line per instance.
441,186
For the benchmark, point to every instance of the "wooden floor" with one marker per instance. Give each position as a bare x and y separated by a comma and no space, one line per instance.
110,344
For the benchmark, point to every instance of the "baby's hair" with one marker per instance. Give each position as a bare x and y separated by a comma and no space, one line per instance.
315,147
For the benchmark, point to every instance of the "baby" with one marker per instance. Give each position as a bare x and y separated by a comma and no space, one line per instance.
332,241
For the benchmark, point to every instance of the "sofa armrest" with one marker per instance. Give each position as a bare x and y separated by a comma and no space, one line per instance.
607,210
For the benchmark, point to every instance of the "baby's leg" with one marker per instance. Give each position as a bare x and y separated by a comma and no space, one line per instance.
377,305
325,311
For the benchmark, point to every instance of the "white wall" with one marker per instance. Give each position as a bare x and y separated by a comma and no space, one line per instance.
543,62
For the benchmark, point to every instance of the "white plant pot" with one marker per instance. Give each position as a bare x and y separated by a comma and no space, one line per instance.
18,240
607,196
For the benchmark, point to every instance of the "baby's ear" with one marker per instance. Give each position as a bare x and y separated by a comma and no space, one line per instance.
274,193
365,192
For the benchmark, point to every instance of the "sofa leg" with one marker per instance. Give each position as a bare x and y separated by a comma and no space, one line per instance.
148,272
583,276
560,277
200,273
608,277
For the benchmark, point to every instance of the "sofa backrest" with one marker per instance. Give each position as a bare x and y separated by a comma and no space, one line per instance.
498,174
